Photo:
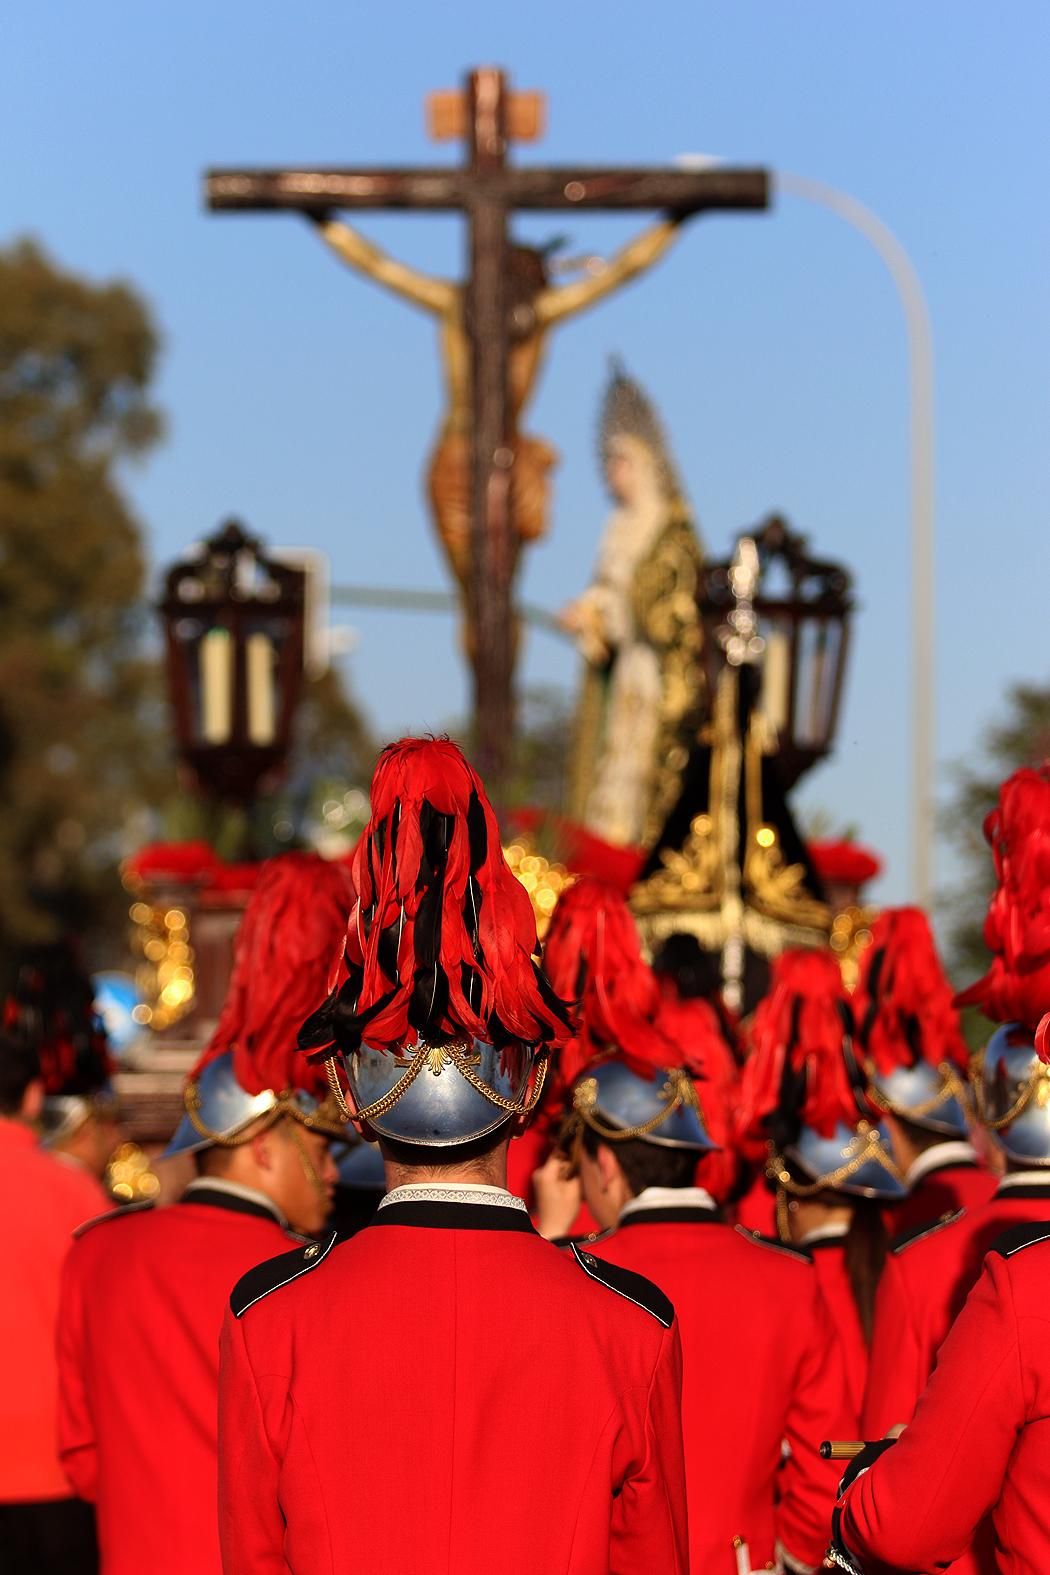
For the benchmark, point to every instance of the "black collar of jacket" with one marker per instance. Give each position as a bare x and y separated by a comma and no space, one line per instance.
1031,1189
673,1214
218,1198
452,1216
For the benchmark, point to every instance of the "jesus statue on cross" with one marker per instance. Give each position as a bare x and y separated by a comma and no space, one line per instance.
534,307
488,481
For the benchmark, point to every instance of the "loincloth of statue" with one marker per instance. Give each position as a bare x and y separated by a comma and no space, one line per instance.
449,487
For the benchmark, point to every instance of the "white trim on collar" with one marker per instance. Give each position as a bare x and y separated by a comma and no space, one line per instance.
669,1198
236,1190
833,1231
453,1192
1023,1178
955,1152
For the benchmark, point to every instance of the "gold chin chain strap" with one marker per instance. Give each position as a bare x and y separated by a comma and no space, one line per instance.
678,1091
870,1147
1039,1074
783,1218
309,1168
952,1086
459,1055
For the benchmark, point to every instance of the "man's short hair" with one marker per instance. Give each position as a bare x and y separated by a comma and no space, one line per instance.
648,1164
19,1066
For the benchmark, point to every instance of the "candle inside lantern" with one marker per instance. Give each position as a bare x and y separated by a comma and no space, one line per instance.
775,681
259,654
216,672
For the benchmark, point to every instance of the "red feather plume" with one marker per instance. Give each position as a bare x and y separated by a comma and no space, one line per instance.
441,940
903,1005
797,1070
1016,987
593,956
288,943
1042,1040
694,1030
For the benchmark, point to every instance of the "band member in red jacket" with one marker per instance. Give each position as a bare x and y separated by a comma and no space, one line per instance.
759,1352
915,1057
979,1441
927,1279
831,1168
378,1397
145,1290
42,1200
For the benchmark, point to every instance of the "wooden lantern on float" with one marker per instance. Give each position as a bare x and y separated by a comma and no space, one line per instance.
234,628
786,616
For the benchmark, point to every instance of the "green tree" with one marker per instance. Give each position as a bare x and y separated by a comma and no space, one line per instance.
1021,737
79,716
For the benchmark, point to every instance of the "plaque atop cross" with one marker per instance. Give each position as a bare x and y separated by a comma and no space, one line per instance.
490,476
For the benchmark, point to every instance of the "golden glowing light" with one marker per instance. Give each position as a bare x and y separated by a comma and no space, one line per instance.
129,1177
542,878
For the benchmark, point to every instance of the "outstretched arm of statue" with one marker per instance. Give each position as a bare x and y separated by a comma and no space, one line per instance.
633,259
422,289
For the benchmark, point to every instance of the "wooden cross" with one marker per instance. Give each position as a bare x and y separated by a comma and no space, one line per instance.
488,191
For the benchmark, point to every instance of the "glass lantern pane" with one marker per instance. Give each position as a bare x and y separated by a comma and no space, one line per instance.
215,686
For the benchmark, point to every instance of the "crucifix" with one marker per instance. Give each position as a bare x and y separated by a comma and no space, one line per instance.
487,480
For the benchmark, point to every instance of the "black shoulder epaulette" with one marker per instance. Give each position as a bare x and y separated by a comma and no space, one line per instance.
788,1248
632,1287
114,1214
275,1272
1018,1237
908,1238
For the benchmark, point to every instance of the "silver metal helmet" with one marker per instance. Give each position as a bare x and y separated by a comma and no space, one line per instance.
438,1096
931,1097
219,1111
1012,1092
63,1114
662,1109
856,1160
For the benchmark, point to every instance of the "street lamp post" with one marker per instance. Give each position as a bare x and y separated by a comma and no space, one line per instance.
920,383
920,378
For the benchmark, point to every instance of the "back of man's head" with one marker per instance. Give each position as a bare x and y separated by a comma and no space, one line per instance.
482,1162
647,1164
19,1078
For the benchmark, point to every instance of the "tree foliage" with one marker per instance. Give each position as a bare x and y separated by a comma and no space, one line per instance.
76,696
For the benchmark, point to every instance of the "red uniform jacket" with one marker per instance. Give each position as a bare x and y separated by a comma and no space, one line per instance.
951,1178
143,1299
926,1280
445,1393
42,1201
756,1211
762,1367
980,1439
829,1259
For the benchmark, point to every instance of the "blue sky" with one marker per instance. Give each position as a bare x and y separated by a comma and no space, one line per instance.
305,401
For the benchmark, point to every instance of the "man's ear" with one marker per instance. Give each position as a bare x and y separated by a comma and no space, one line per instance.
608,1167
261,1146
32,1106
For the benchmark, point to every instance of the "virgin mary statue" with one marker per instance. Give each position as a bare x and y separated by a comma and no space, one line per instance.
637,625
